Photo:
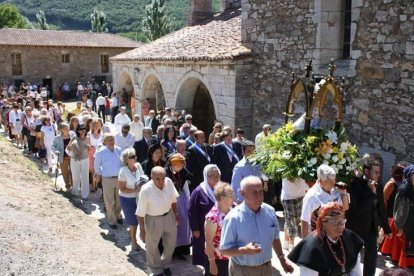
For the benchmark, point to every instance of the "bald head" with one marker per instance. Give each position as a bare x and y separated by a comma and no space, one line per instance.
158,176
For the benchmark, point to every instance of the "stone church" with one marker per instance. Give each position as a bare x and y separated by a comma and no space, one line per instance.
235,66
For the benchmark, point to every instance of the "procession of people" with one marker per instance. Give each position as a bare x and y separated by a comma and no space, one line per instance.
185,197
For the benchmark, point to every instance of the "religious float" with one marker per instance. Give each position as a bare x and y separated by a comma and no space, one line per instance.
317,137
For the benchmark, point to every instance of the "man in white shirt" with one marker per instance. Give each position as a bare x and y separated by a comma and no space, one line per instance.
322,192
124,139
158,219
136,127
259,137
121,119
114,106
101,103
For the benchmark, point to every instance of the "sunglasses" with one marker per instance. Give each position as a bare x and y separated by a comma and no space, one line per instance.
132,157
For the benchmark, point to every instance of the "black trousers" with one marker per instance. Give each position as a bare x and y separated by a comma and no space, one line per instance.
114,112
370,254
101,112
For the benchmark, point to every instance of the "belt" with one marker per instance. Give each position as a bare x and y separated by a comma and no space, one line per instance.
163,215
110,176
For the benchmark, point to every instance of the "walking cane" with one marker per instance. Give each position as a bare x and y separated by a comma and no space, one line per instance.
57,172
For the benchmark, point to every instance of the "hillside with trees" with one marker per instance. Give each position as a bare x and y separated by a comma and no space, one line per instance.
121,16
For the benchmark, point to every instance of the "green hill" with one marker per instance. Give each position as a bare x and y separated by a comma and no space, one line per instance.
122,16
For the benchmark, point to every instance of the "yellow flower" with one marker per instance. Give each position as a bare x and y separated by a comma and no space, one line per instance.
335,150
340,155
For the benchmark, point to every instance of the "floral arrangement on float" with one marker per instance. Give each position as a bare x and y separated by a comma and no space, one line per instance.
296,152
290,153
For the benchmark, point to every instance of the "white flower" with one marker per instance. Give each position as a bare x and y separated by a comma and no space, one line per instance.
343,161
335,158
327,156
348,168
345,146
340,167
286,154
313,161
332,136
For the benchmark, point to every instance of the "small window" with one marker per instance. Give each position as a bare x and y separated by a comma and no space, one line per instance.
104,63
16,64
346,51
65,58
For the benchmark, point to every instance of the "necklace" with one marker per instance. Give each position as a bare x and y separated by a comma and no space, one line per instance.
133,170
340,262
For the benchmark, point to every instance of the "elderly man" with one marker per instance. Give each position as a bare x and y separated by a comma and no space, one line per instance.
199,156
141,147
121,119
249,233
158,219
259,137
226,155
136,127
124,139
243,169
324,191
151,121
107,166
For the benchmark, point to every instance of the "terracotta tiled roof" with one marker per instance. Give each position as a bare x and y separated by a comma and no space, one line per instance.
218,39
51,38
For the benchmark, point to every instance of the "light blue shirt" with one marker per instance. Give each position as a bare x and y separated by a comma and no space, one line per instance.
108,162
242,226
243,169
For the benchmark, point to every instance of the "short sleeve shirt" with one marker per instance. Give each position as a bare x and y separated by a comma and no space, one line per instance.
215,216
125,175
154,201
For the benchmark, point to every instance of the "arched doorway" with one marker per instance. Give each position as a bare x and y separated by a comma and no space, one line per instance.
194,97
126,94
152,95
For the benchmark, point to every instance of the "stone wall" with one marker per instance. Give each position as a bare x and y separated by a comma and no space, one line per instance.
379,96
39,63
228,84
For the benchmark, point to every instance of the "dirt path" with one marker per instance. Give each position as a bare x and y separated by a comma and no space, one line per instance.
42,233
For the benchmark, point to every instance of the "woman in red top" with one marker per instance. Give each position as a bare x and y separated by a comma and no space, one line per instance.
214,221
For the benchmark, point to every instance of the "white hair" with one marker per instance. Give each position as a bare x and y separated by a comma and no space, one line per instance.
325,172
251,179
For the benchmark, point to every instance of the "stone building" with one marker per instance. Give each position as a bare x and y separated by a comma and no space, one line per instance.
372,42
53,57
202,68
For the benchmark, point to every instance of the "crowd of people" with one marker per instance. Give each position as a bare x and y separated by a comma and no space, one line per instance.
179,191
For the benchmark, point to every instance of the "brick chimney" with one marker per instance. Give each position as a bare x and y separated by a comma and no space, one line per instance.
200,10
230,4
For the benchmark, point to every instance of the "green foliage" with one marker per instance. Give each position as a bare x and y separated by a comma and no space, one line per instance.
11,18
122,16
98,21
155,24
41,20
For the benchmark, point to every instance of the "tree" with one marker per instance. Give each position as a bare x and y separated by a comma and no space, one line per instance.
98,21
41,19
10,17
156,24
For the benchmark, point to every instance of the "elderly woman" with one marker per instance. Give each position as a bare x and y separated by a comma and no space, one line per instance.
331,249
201,201
59,145
153,159
130,180
79,163
404,218
214,221
324,191
179,176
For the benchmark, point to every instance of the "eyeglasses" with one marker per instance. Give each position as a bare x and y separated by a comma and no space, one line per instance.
82,129
132,157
